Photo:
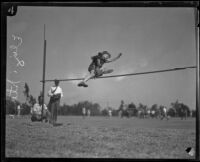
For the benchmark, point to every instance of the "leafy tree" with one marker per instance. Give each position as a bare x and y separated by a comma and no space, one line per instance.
10,106
104,112
65,110
121,107
184,111
25,109
142,110
76,109
115,112
175,106
30,100
132,110
171,112
141,106
95,110
193,113
154,107
181,110
26,90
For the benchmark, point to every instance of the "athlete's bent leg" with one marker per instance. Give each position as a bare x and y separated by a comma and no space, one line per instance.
107,71
90,76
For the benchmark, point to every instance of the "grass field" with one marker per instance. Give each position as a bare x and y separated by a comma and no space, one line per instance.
100,137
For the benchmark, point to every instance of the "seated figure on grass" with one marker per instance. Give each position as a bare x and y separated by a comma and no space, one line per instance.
36,111
95,68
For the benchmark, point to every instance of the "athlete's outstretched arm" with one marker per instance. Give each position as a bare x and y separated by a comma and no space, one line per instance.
115,58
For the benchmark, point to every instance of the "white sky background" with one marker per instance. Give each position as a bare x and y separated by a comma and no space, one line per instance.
149,38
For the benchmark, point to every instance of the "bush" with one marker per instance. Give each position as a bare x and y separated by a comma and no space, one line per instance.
11,105
171,112
76,109
104,112
25,109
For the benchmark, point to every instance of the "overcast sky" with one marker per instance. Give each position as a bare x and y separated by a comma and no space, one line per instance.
148,38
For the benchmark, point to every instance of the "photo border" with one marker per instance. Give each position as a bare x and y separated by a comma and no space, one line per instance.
4,13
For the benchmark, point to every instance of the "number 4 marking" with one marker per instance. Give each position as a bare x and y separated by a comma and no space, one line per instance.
11,10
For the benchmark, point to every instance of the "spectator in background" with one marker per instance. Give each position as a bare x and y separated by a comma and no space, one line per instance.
88,112
121,109
153,112
110,112
18,110
83,112
163,112
190,113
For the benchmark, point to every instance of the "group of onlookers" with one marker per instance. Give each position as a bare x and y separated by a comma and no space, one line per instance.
49,112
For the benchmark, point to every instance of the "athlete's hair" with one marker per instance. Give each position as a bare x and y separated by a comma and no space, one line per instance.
104,53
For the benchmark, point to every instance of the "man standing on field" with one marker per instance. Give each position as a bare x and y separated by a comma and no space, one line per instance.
55,94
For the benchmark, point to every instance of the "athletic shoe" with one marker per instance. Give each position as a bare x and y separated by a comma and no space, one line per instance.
82,84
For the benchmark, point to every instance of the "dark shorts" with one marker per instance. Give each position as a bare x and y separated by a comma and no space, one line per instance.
97,70
91,67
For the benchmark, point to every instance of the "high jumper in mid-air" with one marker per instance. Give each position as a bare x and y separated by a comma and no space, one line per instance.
96,67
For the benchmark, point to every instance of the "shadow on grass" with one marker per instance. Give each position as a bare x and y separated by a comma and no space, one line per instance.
57,124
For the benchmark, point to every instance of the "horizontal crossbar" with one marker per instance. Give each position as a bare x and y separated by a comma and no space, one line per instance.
129,74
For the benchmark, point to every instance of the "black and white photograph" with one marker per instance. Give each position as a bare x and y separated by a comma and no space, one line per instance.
101,82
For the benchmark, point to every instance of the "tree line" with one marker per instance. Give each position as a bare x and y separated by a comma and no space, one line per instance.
176,109
128,110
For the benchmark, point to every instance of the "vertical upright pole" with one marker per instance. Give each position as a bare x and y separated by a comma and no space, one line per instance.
197,83
43,78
